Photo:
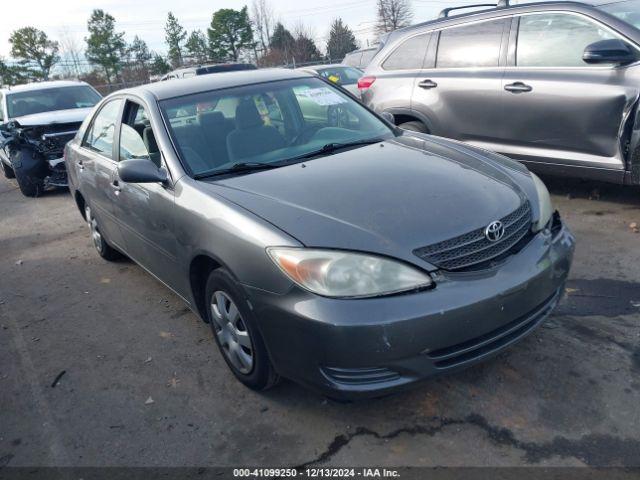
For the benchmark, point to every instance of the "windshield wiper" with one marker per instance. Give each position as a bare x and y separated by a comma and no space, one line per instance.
237,167
334,147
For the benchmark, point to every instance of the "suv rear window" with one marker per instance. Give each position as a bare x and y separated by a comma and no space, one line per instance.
409,55
475,45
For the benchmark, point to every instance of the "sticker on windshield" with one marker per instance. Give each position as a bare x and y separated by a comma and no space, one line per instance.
323,96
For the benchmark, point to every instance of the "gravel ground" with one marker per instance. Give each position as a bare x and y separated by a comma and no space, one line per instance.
101,365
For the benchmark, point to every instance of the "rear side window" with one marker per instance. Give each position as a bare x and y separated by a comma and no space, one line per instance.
100,134
409,55
556,40
476,45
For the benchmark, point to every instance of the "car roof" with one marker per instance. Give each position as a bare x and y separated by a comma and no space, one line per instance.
202,83
27,87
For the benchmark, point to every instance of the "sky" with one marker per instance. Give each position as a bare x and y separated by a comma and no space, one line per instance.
146,18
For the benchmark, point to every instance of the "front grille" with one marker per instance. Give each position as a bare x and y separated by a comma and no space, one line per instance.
490,342
473,249
360,376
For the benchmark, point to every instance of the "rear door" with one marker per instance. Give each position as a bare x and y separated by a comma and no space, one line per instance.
96,169
459,90
559,109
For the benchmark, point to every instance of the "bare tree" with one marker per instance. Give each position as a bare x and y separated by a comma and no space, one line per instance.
262,17
393,14
70,53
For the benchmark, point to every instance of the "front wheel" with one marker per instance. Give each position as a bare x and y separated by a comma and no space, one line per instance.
235,330
30,185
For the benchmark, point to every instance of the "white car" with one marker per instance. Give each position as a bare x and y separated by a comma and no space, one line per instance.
36,122
342,75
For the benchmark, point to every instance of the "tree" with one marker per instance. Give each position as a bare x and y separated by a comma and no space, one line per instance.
139,52
32,46
341,40
196,46
159,66
70,53
393,14
261,18
282,39
12,74
105,46
175,35
230,32
304,48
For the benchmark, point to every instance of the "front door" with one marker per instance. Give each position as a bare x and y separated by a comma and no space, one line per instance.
145,210
460,90
559,109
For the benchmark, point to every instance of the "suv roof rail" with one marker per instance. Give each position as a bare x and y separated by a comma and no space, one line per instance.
445,12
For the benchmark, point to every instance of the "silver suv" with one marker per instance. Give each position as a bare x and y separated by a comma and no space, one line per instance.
555,85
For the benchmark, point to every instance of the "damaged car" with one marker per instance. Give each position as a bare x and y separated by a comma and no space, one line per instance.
36,122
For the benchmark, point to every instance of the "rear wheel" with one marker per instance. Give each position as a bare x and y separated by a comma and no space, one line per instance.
235,330
7,170
414,126
104,249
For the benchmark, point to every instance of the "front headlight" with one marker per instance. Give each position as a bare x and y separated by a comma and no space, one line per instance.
334,273
544,204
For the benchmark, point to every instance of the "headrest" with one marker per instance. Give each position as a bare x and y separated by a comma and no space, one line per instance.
247,115
211,119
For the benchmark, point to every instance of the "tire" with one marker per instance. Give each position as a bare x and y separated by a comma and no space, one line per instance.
7,170
414,126
30,186
103,248
237,336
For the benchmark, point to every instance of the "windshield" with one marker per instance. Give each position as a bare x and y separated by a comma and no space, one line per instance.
628,11
341,75
51,99
269,123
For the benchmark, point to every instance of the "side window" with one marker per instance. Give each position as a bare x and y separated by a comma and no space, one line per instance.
136,136
556,40
100,133
475,45
409,55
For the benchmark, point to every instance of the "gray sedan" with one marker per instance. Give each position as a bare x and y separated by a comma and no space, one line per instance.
334,250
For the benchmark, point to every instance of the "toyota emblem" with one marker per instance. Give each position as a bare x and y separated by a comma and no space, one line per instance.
494,231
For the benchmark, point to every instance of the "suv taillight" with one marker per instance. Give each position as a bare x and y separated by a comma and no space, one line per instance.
365,82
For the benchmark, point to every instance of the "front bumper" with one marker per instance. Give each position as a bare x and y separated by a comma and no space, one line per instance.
350,348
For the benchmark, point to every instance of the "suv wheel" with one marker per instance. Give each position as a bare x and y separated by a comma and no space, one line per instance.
414,126
235,330
7,170
104,249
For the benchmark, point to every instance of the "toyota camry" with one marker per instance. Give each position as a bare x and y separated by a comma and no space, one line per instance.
321,243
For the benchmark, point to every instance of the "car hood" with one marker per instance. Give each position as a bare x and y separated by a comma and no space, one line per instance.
74,115
389,198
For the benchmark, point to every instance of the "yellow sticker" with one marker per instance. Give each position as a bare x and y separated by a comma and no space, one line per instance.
334,78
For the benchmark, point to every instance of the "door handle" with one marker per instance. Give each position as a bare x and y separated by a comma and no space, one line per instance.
80,165
116,187
427,84
518,87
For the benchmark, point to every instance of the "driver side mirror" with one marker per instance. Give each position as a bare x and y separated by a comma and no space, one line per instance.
141,170
608,51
